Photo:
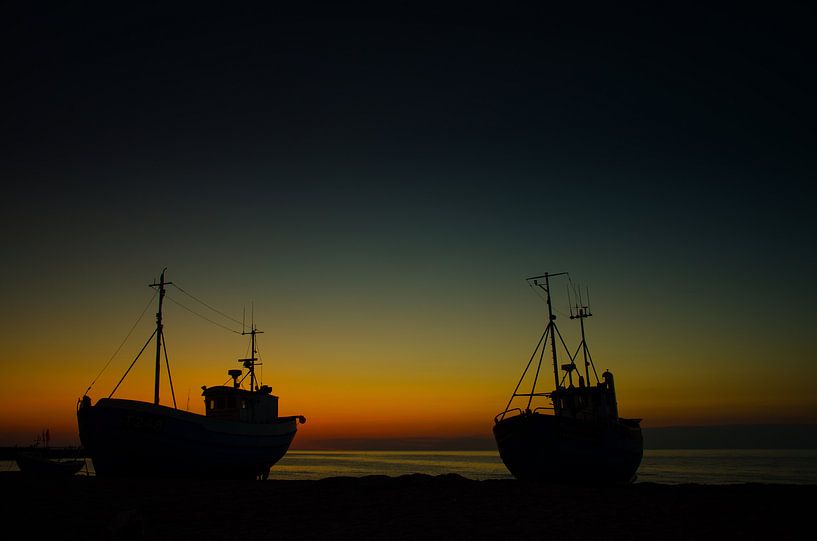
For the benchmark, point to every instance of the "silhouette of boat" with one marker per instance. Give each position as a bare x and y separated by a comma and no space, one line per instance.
580,437
38,463
38,460
241,435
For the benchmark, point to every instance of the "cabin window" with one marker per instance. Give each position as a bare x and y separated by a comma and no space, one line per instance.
211,404
243,404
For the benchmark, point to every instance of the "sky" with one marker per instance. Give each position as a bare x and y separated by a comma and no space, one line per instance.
374,184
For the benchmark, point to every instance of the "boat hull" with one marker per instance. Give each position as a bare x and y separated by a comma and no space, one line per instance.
127,438
562,450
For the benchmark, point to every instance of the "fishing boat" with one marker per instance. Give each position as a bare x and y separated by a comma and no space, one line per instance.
578,436
240,436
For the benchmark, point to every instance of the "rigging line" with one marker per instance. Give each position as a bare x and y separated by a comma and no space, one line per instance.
560,313
207,305
201,316
573,357
538,366
115,353
592,364
567,350
169,378
544,334
537,291
544,298
133,363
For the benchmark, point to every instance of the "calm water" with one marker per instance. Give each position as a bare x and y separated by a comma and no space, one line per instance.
722,466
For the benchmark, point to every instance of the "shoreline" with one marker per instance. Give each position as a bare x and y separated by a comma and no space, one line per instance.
405,507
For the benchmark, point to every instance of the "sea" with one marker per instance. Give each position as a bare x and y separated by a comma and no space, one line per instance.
717,466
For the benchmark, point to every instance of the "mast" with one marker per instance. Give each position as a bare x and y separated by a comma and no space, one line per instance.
583,314
551,329
161,285
551,326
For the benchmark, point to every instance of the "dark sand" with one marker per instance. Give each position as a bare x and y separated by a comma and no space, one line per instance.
407,507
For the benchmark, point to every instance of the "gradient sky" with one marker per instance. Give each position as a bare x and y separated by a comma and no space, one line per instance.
378,182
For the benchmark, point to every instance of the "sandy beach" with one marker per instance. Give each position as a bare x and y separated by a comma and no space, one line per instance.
406,507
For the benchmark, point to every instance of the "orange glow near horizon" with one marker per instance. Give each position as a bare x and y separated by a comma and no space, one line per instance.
442,371
406,398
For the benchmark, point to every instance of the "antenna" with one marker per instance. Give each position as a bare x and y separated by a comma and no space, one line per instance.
251,362
582,312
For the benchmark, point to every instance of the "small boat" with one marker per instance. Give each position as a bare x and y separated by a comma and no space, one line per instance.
241,435
577,438
38,463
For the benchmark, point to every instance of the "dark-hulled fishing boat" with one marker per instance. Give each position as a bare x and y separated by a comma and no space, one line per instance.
240,436
577,438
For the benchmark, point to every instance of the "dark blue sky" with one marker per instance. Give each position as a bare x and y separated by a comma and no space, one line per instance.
684,108
674,124
638,93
